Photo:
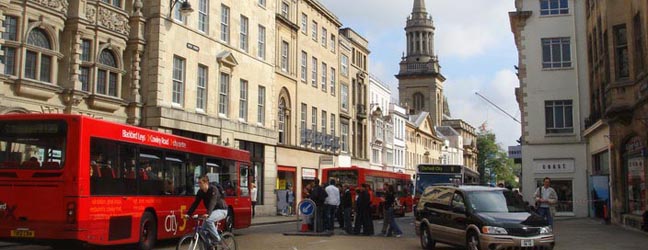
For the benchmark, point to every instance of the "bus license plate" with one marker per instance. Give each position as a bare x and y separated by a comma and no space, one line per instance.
527,243
23,233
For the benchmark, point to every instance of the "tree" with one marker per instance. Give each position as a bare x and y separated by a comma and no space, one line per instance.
492,157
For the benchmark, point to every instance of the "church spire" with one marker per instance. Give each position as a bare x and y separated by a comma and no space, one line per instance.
419,9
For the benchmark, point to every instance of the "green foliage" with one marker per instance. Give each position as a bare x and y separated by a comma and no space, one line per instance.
492,156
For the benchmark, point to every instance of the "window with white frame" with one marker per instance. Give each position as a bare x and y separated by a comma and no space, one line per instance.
107,73
332,43
314,31
223,95
344,96
262,3
333,124
178,80
10,33
243,100
556,53
281,128
345,65
344,137
261,105
177,14
559,117
243,36
324,36
304,23
203,15
375,156
304,66
284,56
554,7
304,115
324,76
39,60
201,91
324,121
314,119
261,53
333,82
285,9
225,13
314,66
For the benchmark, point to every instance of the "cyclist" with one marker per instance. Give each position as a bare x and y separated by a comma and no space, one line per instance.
214,202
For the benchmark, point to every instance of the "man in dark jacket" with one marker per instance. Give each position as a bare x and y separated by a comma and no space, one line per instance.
215,204
363,221
346,203
318,195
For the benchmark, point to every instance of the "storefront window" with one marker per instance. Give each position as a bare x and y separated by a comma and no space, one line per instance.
635,175
564,190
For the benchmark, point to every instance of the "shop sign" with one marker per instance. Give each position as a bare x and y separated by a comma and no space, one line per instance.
308,173
634,144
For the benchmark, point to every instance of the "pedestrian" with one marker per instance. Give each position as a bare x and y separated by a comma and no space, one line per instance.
290,199
383,231
331,203
546,198
390,199
306,191
339,212
346,205
318,195
367,215
253,198
359,211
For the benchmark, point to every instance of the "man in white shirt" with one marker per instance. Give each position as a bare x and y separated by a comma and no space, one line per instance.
331,203
546,198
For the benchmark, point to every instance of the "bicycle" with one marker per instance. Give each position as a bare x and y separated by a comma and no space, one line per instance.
199,239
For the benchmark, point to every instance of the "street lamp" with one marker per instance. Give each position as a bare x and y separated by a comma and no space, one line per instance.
185,7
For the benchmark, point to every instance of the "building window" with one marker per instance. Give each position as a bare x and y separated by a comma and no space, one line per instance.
284,56
333,82
304,66
419,102
332,43
38,63
116,3
261,105
333,124
553,7
243,38
262,3
177,14
304,23
345,65
282,121
84,78
304,115
635,170
107,74
344,95
285,10
375,156
243,100
324,121
314,119
225,12
85,50
556,53
639,44
223,99
324,76
601,163
558,117
203,15
84,74
621,51
314,30
10,25
314,67
324,36
344,137
178,80
262,39
201,92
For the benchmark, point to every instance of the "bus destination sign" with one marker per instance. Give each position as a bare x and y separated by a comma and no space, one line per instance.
439,169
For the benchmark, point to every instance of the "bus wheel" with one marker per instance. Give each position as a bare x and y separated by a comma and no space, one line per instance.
229,220
148,231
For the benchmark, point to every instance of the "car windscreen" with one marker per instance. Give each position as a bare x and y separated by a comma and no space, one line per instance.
496,201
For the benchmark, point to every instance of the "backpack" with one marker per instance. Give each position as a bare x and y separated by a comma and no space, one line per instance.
221,204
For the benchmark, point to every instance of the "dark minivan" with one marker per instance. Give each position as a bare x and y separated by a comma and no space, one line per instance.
479,218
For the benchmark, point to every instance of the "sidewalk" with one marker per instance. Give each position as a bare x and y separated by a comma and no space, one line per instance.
585,233
276,219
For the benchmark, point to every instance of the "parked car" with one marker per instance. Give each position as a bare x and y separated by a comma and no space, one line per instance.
479,218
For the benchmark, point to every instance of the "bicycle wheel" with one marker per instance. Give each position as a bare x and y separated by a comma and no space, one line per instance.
227,242
189,242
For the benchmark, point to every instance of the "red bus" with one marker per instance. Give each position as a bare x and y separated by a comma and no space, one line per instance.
76,178
355,176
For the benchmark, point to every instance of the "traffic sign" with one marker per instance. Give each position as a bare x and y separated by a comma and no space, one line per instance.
307,207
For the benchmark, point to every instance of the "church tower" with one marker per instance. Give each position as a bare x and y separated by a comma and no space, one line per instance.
420,83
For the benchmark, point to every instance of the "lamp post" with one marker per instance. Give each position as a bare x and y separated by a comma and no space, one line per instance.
185,7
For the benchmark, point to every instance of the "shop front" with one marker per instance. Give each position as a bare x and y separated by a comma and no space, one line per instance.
307,180
286,177
634,169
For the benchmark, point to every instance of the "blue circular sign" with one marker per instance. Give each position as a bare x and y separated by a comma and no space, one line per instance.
306,208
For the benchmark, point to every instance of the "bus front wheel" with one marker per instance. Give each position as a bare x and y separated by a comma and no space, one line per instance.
148,231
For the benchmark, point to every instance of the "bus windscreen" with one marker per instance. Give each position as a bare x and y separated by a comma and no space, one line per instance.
425,180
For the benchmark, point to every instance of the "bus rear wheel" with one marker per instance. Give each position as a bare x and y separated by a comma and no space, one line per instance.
148,231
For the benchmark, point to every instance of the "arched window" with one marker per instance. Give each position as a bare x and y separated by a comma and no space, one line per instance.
107,74
38,59
282,121
419,102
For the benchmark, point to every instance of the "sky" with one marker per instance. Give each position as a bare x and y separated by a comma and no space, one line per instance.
475,46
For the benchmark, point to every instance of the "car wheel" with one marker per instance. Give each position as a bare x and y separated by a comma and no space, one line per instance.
472,242
148,231
426,239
